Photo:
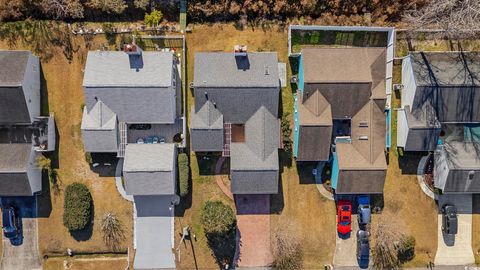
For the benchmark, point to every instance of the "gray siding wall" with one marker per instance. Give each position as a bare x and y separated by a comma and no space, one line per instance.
346,99
101,141
408,82
206,140
361,181
314,143
254,182
178,90
34,173
238,104
422,139
136,105
31,86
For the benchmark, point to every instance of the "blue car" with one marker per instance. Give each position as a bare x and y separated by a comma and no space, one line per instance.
364,211
11,228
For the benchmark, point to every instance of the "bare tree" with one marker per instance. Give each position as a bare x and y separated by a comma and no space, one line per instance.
62,9
112,230
109,6
458,18
386,237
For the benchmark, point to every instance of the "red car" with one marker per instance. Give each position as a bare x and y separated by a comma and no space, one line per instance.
344,217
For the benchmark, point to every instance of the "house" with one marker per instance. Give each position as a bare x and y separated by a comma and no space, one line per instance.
440,112
236,114
133,110
340,115
24,132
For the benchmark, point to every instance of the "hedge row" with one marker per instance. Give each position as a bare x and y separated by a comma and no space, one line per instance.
183,171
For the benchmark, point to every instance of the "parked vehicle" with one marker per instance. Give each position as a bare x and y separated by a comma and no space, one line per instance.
363,245
449,220
364,211
10,223
344,217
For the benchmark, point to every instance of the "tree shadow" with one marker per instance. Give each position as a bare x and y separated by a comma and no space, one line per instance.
86,233
223,246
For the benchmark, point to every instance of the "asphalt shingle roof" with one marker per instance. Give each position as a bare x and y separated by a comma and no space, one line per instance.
14,157
149,157
13,67
224,69
118,69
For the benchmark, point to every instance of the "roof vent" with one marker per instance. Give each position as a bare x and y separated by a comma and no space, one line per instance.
363,124
240,50
363,138
267,71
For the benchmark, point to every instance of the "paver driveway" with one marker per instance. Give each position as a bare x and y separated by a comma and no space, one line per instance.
253,230
456,250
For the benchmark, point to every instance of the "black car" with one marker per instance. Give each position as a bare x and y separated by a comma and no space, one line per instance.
363,245
449,220
10,223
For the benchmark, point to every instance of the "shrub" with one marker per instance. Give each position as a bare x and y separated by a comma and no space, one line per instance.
217,217
88,157
154,18
286,132
77,207
183,173
406,249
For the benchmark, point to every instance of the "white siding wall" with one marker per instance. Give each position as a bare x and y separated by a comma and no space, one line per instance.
441,169
34,173
408,82
402,128
31,86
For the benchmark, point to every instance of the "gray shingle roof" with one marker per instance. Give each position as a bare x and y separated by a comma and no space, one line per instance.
14,157
12,68
99,117
118,69
446,68
208,117
223,69
262,139
149,157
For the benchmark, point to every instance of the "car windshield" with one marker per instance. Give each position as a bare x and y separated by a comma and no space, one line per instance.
345,207
344,223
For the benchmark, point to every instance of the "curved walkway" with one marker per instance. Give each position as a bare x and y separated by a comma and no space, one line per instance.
421,183
118,181
218,178
318,182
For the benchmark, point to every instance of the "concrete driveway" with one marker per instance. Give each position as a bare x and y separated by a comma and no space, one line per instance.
346,247
456,250
24,256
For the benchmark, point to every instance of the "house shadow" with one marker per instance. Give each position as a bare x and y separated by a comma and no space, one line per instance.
408,162
86,233
45,109
252,204
105,164
277,202
44,198
305,172
206,163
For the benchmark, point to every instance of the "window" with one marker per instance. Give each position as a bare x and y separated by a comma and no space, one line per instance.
363,138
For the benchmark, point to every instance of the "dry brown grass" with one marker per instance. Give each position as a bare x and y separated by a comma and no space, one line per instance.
476,228
65,98
107,263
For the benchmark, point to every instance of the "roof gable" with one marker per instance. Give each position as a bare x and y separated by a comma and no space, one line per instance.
99,117
13,67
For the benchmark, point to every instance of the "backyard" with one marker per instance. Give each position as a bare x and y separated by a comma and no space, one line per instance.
62,84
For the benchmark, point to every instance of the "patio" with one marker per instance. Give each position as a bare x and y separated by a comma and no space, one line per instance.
164,132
